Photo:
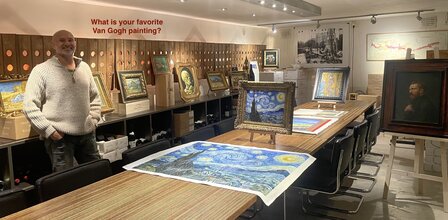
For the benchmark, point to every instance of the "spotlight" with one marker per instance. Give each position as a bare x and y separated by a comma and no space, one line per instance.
419,18
373,19
274,30
318,24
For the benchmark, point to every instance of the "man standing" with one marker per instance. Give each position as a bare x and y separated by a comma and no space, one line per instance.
63,106
420,107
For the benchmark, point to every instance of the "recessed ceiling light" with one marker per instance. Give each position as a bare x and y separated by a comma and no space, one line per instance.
285,8
253,15
262,2
274,5
293,11
223,9
182,1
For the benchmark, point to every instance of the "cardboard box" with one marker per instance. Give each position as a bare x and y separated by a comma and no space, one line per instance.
164,89
375,98
133,107
16,128
183,123
108,146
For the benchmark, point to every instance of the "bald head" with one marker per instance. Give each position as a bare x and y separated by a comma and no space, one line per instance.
64,43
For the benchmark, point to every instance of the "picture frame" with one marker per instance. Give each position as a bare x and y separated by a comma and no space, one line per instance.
188,82
217,81
106,103
235,77
160,64
265,106
415,97
12,95
271,58
132,85
331,84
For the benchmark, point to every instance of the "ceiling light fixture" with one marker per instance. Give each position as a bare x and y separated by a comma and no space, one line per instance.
373,19
182,1
274,30
253,15
419,18
291,7
223,9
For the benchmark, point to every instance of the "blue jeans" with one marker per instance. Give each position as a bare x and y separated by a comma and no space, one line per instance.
63,152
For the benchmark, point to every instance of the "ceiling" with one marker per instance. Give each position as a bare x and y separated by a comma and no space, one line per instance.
242,12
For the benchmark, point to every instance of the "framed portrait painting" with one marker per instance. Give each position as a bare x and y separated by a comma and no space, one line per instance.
188,82
271,58
160,64
331,84
106,104
415,97
11,95
265,106
217,81
132,85
235,77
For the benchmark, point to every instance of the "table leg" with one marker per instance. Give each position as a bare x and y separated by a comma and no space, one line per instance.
393,142
418,164
443,158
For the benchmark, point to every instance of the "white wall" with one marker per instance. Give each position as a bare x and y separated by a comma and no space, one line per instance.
286,40
44,17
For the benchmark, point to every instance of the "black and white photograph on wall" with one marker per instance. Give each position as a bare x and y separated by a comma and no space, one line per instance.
323,46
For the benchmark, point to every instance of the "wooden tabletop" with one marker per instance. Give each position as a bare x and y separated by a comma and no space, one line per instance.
133,195
299,142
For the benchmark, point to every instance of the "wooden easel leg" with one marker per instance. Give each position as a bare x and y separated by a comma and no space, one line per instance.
444,161
418,164
389,167
251,136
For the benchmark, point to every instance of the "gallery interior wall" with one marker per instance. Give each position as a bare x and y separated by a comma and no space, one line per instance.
286,40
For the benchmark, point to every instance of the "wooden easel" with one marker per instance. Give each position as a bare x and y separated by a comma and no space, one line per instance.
271,134
333,104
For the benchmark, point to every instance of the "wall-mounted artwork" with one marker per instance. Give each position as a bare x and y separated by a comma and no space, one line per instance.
331,84
265,106
188,82
160,64
106,104
270,58
217,81
323,47
132,85
235,77
393,46
11,95
415,97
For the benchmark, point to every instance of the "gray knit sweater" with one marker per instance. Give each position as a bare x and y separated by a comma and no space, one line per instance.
58,99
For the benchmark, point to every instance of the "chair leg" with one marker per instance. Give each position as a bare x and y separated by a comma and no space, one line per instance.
253,210
363,190
354,195
377,158
374,173
305,200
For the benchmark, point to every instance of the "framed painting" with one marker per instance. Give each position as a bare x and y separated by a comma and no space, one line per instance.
217,81
271,58
160,64
11,95
265,106
331,84
106,104
327,46
188,82
415,97
235,77
132,85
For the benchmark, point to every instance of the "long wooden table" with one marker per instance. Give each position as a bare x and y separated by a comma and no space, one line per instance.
132,195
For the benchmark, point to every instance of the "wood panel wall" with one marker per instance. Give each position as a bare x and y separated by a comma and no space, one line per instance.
20,53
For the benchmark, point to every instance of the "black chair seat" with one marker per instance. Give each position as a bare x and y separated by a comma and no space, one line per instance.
144,150
202,134
64,181
225,126
12,201
326,182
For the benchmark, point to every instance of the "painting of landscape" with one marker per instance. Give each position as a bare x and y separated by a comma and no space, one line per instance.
265,106
12,94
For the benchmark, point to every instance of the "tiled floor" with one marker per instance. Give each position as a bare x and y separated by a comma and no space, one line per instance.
402,203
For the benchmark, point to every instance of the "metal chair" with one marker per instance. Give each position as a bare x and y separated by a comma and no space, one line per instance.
374,125
64,181
324,176
11,201
144,150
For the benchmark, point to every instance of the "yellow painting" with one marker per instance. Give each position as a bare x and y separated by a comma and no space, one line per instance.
11,94
331,84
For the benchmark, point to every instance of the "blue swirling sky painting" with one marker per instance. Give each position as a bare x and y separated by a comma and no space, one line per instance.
248,169
269,105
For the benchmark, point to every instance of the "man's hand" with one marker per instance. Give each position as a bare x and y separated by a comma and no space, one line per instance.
56,136
408,108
